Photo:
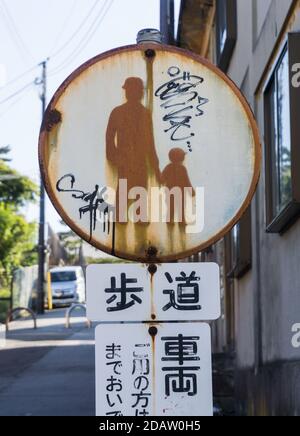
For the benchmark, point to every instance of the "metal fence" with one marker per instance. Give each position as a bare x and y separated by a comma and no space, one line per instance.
24,287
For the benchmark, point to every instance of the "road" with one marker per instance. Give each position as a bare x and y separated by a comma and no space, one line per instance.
48,371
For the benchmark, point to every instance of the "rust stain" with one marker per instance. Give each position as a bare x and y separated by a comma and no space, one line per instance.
129,158
52,118
151,254
150,53
152,269
150,56
153,315
153,333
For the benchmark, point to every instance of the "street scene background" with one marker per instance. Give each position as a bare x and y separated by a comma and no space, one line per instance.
47,344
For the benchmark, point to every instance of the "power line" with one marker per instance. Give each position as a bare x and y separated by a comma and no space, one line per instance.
16,93
69,40
86,38
12,105
14,33
82,44
11,33
65,24
15,79
78,48
13,24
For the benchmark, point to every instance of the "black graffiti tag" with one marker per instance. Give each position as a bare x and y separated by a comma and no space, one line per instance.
181,100
96,206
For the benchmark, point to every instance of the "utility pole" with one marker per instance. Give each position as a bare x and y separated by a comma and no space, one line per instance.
41,243
167,26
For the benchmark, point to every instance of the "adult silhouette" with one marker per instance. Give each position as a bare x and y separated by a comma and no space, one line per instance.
130,144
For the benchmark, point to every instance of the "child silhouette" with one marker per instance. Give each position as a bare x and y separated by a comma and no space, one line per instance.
175,175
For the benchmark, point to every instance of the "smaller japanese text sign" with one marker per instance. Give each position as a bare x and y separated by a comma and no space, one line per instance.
175,292
162,370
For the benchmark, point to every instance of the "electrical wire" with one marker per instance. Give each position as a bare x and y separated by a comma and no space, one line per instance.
65,24
86,38
15,79
16,93
70,40
13,104
82,44
15,28
14,33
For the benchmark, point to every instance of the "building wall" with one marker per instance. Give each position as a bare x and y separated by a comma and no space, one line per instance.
266,300
260,11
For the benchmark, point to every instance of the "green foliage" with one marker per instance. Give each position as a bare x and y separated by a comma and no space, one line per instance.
15,190
4,152
4,308
4,305
4,293
16,240
17,236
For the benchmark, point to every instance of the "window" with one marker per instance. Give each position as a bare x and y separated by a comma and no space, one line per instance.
229,295
282,135
63,276
177,12
226,33
241,247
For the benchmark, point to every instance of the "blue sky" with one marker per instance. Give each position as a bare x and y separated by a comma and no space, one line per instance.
31,31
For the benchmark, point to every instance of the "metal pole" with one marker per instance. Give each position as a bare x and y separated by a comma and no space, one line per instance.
41,243
167,16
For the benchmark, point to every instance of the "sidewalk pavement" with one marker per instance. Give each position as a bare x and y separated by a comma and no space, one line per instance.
48,371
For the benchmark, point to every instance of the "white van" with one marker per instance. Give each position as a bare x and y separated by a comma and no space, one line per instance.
67,285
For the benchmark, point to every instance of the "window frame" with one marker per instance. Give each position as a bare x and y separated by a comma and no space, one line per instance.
229,298
241,250
224,55
283,220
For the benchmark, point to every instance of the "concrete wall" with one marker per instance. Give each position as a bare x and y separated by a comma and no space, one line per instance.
267,299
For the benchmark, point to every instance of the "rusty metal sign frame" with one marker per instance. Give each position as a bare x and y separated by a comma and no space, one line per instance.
53,117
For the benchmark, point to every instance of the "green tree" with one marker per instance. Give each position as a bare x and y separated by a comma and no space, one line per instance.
4,152
15,190
17,240
17,236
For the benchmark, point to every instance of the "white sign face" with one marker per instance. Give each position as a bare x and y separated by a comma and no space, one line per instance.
176,292
150,146
168,374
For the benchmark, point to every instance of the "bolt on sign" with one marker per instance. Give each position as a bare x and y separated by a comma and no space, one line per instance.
149,153
170,292
162,370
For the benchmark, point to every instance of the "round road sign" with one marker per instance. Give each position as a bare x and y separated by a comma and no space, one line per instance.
149,153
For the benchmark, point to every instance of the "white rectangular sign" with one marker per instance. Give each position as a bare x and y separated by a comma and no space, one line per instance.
168,374
175,292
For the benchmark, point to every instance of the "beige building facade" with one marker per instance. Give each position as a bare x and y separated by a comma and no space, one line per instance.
257,43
